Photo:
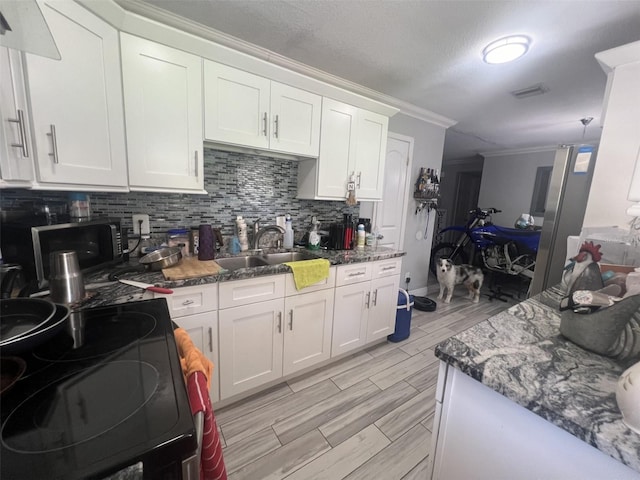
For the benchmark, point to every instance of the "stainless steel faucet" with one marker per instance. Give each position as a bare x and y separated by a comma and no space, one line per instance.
260,231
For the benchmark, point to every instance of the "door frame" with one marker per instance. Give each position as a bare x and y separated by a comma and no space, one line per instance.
407,186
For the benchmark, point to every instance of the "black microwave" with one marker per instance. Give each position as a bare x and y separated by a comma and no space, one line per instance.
98,242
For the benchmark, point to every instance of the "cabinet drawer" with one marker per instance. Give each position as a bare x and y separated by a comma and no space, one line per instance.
290,284
386,268
251,290
189,300
353,273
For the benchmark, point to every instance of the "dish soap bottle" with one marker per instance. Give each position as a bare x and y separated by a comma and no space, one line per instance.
360,236
314,237
288,233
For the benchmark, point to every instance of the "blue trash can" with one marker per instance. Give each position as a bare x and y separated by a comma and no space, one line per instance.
403,317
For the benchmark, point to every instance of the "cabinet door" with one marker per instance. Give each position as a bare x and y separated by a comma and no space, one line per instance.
236,106
337,148
203,330
382,314
16,162
163,111
307,330
250,346
370,154
76,102
295,117
350,312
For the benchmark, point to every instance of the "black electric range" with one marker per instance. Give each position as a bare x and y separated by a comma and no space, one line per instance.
114,398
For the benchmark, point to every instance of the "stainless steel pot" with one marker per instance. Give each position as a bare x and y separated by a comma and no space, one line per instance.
65,282
162,258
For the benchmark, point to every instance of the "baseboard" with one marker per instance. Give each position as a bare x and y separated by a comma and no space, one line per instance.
420,292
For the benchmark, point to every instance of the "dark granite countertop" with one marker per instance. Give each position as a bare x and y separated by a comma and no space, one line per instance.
521,354
105,292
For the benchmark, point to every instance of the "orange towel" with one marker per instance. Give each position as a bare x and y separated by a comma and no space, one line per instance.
191,358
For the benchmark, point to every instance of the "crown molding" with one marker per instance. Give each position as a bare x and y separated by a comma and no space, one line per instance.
520,151
164,17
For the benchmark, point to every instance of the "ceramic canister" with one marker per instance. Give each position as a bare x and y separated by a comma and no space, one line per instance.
206,243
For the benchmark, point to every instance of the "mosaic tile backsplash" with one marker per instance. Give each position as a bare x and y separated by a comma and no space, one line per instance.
237,184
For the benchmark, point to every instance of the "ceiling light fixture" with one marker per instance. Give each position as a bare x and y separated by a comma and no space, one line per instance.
506,49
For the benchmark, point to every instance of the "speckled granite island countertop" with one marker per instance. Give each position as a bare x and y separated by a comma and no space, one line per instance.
109,293
521,354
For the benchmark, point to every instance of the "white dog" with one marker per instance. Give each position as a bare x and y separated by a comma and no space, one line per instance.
450,275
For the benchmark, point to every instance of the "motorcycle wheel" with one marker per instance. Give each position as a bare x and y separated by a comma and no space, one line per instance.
445,250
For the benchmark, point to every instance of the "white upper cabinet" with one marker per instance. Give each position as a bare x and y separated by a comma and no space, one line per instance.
163,112
251,111
76,102
352,148
16,161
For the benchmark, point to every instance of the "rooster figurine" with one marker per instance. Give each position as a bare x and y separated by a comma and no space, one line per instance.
583,273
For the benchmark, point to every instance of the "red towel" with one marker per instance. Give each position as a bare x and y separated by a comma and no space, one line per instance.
211,462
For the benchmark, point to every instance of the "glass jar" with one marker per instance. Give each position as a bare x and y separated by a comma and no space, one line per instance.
79,207
179,237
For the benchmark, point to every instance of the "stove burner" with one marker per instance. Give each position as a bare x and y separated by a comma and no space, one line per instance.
110,332
71,410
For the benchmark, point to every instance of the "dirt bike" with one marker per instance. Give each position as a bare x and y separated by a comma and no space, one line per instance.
510,251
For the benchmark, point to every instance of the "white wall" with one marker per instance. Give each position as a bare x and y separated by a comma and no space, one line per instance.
507,183
618,152
427,152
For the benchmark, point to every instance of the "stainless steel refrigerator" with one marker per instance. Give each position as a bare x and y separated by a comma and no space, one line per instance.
567,196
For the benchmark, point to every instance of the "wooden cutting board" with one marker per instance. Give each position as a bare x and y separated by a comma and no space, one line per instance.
191,267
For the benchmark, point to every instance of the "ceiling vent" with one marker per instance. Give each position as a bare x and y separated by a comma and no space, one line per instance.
531,91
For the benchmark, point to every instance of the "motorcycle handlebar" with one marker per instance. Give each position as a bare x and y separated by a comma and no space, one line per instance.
483,213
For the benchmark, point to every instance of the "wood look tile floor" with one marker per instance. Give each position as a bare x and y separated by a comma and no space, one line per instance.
367,416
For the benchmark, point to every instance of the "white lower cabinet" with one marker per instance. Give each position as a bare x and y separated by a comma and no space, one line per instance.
365,303
307,330
195,310
268,336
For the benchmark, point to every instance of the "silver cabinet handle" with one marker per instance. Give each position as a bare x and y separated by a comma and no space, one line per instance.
368,299
210,339
375,297
355,274
264,124
196,162
291,319
275,133
54,143
384,269
23,133
279,322
359,178
187,302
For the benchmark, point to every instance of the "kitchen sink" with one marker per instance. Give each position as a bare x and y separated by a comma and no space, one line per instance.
236,263
277,258
248,261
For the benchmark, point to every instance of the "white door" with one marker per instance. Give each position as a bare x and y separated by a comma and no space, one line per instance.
16,161
236,106
295,120
390,214
350,312
307,329
382,315
250,346
163,108
203,331
76,102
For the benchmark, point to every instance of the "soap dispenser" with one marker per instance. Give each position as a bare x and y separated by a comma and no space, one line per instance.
288,233
314,236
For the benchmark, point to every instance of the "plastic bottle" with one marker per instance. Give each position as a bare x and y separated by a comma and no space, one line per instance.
242,233
314,237
288,233
361,235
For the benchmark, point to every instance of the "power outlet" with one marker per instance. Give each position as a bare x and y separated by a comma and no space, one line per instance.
141,229
407,277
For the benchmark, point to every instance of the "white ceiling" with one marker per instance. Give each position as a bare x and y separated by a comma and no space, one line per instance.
428,53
